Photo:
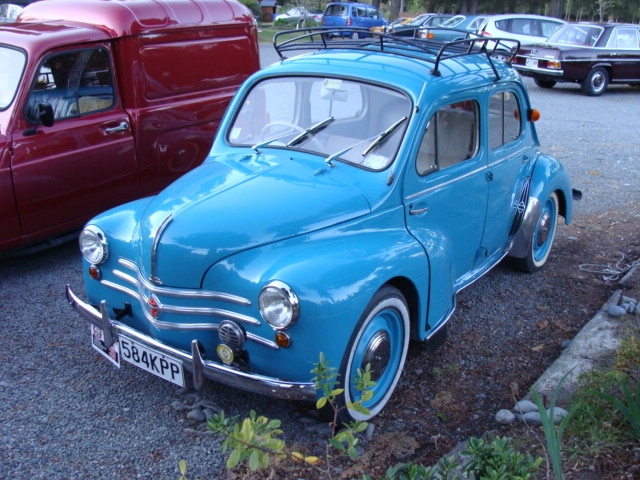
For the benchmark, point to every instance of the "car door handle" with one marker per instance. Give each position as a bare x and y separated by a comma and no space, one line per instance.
417,211
123,126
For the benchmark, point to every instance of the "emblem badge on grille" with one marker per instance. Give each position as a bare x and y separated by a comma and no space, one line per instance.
225,354
154,306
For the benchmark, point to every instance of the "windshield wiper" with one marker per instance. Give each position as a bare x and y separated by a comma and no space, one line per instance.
313,129
258,146
297,139
382,136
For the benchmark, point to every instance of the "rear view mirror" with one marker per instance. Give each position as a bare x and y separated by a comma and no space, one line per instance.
333,94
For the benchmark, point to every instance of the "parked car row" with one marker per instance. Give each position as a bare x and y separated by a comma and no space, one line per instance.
593,55
297,15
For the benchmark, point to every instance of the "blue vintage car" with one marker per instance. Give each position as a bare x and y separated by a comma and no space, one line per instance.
350,193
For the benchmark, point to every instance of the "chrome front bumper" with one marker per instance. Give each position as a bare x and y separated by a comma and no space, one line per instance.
193,361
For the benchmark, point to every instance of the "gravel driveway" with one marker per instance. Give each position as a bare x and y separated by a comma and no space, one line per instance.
69,414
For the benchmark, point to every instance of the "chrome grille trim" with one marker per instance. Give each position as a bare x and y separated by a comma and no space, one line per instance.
170,292
154,249
140,284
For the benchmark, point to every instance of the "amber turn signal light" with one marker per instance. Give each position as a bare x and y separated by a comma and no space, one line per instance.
94,272
283,340
534,115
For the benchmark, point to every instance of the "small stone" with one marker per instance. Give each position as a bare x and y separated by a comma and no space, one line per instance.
616,311
532,418
324,429
558,414
565,344
368,433
524,406
505,417
208,413
178,405
307,420
196,414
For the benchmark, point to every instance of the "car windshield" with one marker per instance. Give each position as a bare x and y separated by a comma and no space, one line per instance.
12,63
339,119
576,34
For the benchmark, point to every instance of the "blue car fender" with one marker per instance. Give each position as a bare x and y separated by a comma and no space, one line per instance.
334,273
547,176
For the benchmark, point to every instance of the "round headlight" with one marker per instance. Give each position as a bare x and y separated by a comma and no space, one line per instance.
279,305
93,245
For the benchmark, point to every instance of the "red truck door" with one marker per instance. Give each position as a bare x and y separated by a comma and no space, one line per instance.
86,161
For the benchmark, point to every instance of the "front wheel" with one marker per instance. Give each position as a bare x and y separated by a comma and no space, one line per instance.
544,83
381,340
596,82
542,237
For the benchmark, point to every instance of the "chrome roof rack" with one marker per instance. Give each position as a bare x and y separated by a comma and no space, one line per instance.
432,51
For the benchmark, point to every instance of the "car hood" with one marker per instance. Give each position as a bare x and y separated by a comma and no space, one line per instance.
238,203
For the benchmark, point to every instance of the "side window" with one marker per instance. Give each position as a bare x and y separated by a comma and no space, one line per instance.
451,137
548,27
504,119
73,83
522,26
624,38
503,25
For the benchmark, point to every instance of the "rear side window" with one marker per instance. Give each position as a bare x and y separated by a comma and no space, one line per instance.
548,28
523,26
623,38
503,25
74,83
504,119
451,137
336,11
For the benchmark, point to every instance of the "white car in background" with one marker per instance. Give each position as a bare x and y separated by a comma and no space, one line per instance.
526,29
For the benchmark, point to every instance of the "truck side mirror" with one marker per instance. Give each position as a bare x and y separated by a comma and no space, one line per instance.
45,114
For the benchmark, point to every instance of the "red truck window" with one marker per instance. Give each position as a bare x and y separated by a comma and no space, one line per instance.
74,83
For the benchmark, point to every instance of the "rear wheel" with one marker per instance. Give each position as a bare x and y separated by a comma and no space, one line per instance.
542,238
544,83
596,82
381,340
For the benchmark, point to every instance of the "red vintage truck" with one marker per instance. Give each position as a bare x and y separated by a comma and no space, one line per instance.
105,101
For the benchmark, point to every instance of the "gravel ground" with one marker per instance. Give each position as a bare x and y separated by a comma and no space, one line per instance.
69,414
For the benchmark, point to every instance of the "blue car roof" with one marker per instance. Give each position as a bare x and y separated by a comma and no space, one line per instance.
399,63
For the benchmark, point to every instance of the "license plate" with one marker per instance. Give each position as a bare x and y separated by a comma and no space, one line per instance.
532,62
97,341
152,361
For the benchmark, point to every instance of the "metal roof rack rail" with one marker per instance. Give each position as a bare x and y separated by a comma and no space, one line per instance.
433,51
